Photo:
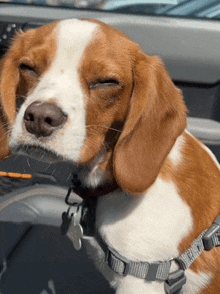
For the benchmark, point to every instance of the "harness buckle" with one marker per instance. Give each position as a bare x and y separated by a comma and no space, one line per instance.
126,268
152,271
209,238
110,260
175,282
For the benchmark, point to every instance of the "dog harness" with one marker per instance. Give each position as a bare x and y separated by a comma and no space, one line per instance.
79,223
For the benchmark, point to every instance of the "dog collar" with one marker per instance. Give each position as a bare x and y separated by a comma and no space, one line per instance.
79,223
86,193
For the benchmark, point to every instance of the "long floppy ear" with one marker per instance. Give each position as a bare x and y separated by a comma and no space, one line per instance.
156,117
9,78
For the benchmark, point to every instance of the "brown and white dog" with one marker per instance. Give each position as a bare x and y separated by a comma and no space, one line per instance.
93,98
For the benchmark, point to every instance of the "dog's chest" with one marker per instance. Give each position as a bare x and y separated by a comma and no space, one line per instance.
148,227
144,228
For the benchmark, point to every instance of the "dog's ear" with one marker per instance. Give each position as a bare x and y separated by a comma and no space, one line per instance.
9,77
156,117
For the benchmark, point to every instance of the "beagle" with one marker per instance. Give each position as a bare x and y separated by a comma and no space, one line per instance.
93,98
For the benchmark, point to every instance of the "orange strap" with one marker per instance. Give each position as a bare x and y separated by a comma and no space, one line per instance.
15,175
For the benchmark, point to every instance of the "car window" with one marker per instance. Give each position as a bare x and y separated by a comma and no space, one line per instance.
178,8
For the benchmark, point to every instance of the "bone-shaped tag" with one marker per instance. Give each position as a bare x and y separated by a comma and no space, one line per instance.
75,231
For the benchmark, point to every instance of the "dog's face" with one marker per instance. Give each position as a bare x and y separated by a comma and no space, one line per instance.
89,95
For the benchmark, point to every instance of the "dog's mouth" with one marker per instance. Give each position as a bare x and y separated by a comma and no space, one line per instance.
39,153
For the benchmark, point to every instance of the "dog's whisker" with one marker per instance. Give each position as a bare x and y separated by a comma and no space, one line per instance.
101,126
92,143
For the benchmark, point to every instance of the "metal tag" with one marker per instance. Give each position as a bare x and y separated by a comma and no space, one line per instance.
75,230
75,234
67,217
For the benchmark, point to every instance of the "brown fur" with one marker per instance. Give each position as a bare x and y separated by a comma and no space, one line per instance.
36,48
146,103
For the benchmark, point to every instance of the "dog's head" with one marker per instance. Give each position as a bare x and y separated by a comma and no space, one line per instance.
92,97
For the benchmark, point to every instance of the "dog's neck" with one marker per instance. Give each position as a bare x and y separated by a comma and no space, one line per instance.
95,178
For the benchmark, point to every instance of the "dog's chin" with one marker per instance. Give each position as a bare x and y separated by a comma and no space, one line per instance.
39,153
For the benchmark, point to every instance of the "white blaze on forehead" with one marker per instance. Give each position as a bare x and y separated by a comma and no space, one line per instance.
74,36
61,82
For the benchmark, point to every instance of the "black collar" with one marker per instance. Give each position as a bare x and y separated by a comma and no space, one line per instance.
91,193
88,218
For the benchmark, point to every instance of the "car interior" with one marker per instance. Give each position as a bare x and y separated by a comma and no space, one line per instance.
34,256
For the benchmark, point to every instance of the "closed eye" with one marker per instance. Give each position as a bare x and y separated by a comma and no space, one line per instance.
26,67
104,83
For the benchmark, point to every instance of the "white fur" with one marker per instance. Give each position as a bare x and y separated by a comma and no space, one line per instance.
145,228
196,282
147,222
91,175
175,154
61,82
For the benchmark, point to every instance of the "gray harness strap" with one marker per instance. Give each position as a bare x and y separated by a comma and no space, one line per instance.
159,270
145,270
207,240
174,281
187,258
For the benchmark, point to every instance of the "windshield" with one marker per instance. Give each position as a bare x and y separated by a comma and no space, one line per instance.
179,8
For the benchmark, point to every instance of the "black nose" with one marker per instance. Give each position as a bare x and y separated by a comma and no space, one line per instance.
41,119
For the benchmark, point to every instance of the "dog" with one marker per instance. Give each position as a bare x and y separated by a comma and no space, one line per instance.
92,97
